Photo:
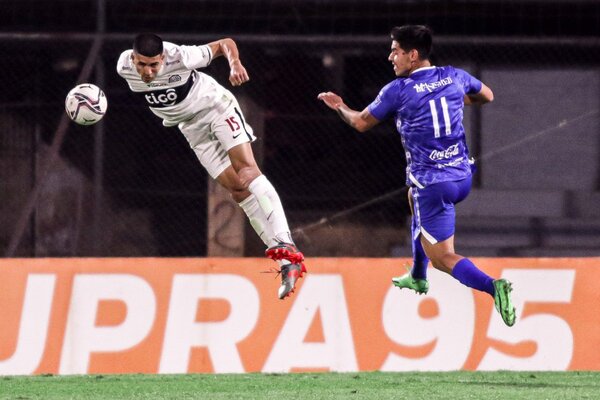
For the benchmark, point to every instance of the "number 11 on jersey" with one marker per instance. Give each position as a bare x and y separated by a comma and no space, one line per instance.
435,118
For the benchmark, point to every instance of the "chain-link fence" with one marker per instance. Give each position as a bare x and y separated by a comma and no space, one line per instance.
129,186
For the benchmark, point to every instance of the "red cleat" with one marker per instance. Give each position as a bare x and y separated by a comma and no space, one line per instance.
285,251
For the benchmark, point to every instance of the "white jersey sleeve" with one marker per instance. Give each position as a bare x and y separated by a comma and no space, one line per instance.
196,56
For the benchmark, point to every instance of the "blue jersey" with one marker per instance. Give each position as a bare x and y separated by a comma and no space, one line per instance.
428,110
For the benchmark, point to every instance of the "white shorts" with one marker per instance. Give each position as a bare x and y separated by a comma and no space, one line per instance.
212,135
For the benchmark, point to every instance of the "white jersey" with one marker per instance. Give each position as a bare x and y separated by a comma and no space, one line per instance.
179,92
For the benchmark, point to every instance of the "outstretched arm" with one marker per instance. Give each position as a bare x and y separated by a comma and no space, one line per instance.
228,49
360,120
485,95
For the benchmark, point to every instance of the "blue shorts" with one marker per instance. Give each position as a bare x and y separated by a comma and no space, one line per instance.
433,208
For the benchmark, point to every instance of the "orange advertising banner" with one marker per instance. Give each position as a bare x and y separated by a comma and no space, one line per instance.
205,315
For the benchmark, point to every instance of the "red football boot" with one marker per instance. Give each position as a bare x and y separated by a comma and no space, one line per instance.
285,251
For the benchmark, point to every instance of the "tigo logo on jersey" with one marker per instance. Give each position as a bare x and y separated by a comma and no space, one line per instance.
168,98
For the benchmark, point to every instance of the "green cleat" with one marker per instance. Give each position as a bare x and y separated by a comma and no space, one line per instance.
420,286
503,302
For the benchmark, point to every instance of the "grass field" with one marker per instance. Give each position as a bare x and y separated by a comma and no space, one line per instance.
369,385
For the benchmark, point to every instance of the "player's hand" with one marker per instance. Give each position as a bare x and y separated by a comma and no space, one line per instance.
237,74
331,100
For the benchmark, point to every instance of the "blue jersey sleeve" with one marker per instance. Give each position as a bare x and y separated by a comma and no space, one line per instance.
386,102
470,84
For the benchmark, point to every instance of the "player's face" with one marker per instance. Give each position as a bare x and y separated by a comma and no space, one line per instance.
147,67
401,60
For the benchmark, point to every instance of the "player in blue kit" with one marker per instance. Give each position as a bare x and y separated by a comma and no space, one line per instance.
427,104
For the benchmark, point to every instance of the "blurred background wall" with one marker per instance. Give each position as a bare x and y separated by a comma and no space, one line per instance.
130,187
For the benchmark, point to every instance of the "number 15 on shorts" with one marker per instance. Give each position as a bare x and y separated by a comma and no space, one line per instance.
234,125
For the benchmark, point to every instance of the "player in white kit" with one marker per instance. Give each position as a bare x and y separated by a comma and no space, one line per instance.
165,77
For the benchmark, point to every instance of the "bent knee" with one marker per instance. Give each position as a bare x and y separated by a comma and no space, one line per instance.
444,262
437,263
248,174
239,195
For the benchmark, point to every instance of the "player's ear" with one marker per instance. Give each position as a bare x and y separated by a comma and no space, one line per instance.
414,55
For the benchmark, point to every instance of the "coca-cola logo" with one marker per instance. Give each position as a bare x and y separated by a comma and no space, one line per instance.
451,151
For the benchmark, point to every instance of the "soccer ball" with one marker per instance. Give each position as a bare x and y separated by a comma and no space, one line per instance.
86,104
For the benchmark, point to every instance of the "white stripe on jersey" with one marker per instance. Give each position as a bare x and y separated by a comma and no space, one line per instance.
446,116
434,116
414,180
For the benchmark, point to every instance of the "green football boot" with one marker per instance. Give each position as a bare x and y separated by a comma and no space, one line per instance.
503,302
420,286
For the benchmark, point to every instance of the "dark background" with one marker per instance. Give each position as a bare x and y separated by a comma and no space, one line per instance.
153,191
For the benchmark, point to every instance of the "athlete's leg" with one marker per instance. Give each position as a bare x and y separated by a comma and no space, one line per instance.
242,161
265,211
226,153
233,144
416,278
444,258
420,260
434,206
435,211
230,180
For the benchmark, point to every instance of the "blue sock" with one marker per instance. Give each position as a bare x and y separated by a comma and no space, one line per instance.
420,260
468,274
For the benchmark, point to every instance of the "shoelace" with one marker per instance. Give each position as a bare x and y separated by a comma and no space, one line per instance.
272,270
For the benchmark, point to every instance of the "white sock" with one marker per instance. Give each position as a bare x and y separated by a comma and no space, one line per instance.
270,204
257,219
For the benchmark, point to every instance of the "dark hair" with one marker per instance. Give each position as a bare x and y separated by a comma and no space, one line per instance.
417,37
148,44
